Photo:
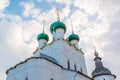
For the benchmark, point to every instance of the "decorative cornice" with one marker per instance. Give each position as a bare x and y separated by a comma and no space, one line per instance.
35,50
80,50
105,74
28,60
51,41
49,61
85,75
46,45
78,72
39,48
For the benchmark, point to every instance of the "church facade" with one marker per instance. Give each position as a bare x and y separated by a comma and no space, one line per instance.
59,60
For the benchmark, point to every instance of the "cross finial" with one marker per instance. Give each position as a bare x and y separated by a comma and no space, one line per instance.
43,25
72,26
96,53
58,13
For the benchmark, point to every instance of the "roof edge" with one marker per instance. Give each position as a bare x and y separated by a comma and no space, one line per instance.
105,74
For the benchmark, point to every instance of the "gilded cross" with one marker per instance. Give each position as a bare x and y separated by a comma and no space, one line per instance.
72,27
43,25
58,13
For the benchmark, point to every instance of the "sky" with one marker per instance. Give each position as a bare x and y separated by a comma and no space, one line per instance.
97,22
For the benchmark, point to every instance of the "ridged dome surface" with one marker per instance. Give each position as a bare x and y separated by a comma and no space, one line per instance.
42,36
57,25
100,71
73,37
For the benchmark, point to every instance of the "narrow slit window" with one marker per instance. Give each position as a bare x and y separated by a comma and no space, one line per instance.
75,67
68,64
26,78
51,79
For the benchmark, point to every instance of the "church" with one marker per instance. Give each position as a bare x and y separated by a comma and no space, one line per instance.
61,59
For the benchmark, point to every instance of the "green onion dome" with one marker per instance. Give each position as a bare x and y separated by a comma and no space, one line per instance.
57,25
42,36
73,37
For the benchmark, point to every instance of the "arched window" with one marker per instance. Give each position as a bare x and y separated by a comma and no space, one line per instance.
75,67
68,64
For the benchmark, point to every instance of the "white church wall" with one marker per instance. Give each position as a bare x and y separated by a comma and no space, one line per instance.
33,67
62,52
50,72
76,58
75,43
18,73
68,75
81,77
41,43
59,33
36,69
104,77
72,75
37,54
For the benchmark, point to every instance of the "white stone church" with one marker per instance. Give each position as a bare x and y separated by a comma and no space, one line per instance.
59,60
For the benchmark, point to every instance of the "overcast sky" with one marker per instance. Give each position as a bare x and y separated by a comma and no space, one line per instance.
97,22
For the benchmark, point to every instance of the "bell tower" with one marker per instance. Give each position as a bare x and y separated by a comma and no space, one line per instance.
100,72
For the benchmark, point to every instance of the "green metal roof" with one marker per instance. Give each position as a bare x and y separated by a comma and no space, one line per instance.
73,37
57,25
42,36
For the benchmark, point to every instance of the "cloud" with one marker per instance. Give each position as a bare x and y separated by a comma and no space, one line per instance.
68,2
39,1
14,35
103,31
29,9
3,4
